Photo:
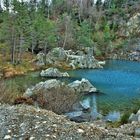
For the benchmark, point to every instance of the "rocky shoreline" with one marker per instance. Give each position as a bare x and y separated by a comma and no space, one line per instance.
26,122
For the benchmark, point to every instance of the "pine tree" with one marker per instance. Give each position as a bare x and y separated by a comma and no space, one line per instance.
98,4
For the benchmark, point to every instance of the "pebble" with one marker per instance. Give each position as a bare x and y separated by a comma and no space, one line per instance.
47,135
54,136
9,131
44,122
7,137
54,125
32,138
80,130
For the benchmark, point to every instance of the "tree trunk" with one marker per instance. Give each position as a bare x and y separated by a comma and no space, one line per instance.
13,50
20,49
45,53
66,30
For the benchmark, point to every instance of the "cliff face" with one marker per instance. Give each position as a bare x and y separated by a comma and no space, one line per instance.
26,122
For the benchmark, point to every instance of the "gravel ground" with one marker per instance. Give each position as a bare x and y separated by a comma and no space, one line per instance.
28,123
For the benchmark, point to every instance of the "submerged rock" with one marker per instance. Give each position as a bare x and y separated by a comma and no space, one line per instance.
73,114
53,72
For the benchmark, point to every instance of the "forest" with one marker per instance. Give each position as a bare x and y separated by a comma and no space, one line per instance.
34,26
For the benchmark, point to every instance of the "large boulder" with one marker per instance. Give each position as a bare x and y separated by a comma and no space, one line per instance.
58,96
53,95
83,86
53,72
59,53
47,85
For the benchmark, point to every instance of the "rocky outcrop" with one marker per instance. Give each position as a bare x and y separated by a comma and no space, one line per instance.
82,86
58,96
26,122
53,72
58,57
84,60
130,51
47,85
133,25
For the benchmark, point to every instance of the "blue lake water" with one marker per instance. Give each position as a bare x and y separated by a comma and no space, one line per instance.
118,82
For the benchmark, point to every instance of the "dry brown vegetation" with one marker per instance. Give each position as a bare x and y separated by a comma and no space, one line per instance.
23,100
58,100
7,94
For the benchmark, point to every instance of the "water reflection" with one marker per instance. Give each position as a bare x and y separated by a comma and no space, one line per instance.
91,102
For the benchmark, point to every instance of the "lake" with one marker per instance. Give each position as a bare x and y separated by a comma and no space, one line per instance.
118,83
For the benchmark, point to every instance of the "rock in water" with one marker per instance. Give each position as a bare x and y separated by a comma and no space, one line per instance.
53,72
82,86
53,83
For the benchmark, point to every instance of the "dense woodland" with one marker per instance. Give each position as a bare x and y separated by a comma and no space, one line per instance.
34,26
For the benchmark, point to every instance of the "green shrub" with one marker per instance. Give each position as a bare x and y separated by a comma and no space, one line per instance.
124,118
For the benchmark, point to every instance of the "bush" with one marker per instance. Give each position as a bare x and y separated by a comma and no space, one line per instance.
58,100
124,118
